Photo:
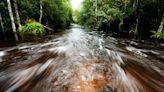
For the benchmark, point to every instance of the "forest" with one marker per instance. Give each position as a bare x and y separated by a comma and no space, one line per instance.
19,17
81,45
139,19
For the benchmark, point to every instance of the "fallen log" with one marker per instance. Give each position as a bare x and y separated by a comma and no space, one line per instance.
48,28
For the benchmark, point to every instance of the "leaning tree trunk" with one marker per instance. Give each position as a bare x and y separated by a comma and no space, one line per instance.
17,14
41,11
161,24
12,19
160,15
2,26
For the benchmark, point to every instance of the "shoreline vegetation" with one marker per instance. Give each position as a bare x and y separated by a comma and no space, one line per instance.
137,19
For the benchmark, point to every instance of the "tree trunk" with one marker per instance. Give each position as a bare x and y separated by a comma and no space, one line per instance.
136,27
160,11
161,24
160,18
136,6
41,11
17,14
2,26
12,19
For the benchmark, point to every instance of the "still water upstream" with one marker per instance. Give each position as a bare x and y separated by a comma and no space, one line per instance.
79,61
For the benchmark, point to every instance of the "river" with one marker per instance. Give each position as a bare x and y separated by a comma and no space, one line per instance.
77,60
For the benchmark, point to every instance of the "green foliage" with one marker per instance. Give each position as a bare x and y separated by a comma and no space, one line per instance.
5,15
32,27
110,15
119,16
102,12
158,35
75,15
57,14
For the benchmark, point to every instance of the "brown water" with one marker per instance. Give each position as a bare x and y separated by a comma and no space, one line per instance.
79,61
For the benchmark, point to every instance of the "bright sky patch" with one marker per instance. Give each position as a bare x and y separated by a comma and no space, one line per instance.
76,4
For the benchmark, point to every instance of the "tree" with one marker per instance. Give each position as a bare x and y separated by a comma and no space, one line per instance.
136,6
161,24
161,15
41,11
159,34
54,14
12,19
17,14
2,26
137,17
98,13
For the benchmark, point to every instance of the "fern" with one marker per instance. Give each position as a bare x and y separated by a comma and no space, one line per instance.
158,35
32,28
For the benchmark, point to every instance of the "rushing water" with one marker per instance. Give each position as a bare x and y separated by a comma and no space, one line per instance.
78,61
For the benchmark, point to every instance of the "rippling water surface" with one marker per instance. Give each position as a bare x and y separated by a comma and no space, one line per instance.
78,61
